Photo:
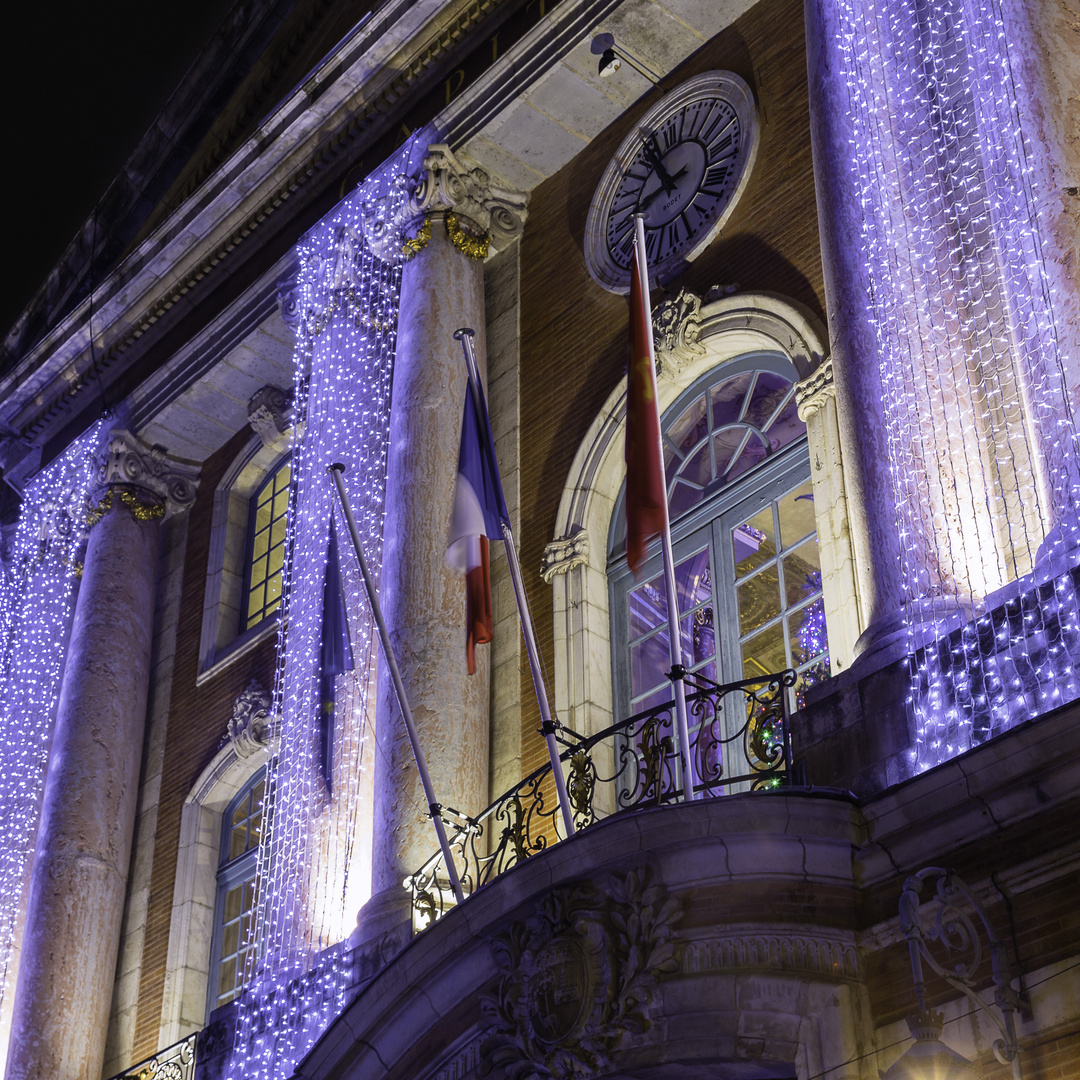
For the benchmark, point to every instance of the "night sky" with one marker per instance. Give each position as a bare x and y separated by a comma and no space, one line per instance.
81,84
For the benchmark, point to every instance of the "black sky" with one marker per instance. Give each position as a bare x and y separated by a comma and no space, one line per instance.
81,83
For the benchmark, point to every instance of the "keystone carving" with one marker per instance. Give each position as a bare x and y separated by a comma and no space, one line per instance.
270,413
677,330
562,556
250,726
446,184
577,978
145,476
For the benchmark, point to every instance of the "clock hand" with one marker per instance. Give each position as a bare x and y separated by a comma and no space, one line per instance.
652,155
649,199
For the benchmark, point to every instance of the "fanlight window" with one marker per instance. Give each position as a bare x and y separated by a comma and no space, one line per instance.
748,576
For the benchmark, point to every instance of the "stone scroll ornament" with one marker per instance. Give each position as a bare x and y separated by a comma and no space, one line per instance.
577,978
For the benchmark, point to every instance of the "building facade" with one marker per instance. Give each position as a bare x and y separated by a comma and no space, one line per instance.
862,236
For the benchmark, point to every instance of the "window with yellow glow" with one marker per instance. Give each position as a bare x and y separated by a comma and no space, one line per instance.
266,547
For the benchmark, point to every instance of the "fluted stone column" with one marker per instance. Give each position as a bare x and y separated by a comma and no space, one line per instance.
872,513
76,905
457,218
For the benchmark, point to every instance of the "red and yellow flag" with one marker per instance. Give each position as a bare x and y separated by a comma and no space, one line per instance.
646,497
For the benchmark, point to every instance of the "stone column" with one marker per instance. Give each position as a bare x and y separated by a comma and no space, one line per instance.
76,905
816,398
872,514
456,219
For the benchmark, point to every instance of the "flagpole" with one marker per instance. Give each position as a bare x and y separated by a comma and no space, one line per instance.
678,672
548,726
337,472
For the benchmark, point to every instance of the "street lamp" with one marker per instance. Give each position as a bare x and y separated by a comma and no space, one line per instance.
929,1058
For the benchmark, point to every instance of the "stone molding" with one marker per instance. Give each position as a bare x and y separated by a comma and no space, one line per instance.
771,952
816,390
677,331
145,476
270,413
562,556
251,726
447,185
460,1064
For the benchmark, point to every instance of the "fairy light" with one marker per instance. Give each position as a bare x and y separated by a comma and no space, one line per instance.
981,437
37,600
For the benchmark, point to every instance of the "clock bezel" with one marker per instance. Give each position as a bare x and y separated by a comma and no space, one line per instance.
724,86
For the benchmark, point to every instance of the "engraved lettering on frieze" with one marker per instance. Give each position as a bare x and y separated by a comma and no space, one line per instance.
270,413
577,978
771,951
250,726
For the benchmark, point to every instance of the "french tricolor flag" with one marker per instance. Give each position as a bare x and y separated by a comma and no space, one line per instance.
479,510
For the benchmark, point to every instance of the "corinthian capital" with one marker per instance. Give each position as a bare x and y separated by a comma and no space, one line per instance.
563,555
446,184
815,390
150,478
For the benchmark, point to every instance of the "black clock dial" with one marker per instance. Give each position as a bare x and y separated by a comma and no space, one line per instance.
681,172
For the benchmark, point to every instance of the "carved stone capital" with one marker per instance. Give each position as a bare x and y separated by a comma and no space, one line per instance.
144,479
250,726
270,413
677,332
562,556
447,185
815,391
289,298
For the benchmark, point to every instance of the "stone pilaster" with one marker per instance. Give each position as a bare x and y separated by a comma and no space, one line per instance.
79,877
456,218
816,400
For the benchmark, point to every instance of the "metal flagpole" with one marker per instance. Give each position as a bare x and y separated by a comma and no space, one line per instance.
548,726
337,472
678,672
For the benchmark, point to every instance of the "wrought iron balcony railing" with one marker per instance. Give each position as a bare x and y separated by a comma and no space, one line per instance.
176,1062
740,740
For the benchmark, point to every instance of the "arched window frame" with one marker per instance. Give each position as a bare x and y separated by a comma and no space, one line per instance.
221,640
700,337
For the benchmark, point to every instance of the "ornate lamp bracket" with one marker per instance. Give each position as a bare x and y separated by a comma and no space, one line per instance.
954,931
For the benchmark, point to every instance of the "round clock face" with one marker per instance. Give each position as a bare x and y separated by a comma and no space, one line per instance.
683,166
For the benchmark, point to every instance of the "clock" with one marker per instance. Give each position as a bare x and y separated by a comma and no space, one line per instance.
683,166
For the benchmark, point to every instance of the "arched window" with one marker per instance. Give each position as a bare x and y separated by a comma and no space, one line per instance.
240,832
748,575
266,546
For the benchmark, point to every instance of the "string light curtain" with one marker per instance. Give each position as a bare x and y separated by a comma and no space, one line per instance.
314,867
981,436
37,601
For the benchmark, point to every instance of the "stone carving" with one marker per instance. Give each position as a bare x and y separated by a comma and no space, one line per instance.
250,726
577,978
270,413
145,475
562,556
812,394
446,184
784,952
288,292
677,330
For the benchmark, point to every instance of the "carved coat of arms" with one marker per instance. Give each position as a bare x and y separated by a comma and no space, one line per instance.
577,977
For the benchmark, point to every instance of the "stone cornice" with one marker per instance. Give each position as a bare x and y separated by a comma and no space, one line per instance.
357,88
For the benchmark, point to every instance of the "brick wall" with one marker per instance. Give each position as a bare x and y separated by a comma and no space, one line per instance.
573,333
197,721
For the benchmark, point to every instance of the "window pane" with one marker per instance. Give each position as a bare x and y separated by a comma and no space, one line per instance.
698,637
727,400
759,600
797,515
682,498
690,427
765,654
230,940
802,573
692,581
262,516
281,503
808,637
727,444
277,532
648,607
284,475
227,980
233,903
273,588
754,542
698,469
255,602
648,661
770,393
258,571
